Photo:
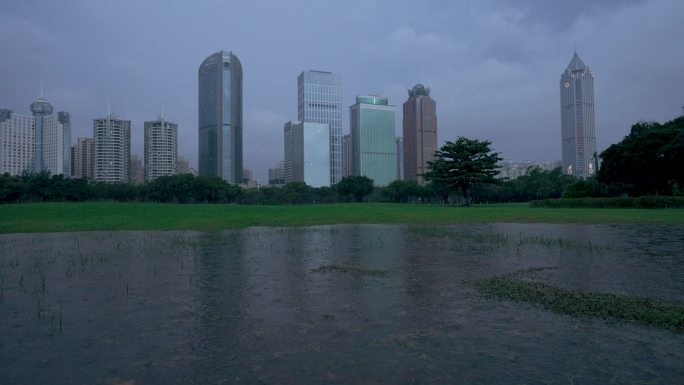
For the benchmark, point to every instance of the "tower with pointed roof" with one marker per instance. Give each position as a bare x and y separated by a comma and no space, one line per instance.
577,119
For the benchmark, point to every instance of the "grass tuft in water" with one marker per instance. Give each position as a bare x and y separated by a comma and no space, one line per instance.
355,271
583,303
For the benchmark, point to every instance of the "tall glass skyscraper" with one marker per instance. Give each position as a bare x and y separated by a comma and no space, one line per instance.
220,117
577,119
374,149
319,101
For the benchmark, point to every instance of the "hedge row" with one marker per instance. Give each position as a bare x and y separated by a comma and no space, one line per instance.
644,202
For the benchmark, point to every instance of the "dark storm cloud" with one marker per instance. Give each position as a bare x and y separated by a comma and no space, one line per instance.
493,66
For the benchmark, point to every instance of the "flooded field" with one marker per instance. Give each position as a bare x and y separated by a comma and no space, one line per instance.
346,304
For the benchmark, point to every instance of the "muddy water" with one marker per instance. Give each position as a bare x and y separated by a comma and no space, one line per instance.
254,306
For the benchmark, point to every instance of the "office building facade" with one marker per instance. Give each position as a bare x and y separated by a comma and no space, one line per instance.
577,119
161,148
112,139
220,117
16,142
307,155
374,152
319,101
83,158
420,133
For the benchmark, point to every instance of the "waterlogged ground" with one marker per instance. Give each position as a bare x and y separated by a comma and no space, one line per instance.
371,304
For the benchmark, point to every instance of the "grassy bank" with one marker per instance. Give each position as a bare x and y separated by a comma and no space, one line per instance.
55,217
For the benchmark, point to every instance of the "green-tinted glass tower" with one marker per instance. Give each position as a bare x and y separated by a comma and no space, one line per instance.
374,151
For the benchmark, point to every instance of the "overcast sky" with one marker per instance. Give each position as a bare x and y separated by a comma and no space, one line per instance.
493,66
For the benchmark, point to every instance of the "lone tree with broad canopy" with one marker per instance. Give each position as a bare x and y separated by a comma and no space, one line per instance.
462,164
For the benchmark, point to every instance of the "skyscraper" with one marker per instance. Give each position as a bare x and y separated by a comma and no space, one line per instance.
42,113
420,132
374,151
16,142
347,156
577,119
112,138
161,148
64,119
84,158
307,157
52,139
400,158
319,101
220,117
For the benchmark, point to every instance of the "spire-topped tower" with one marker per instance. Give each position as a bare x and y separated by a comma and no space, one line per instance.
577,118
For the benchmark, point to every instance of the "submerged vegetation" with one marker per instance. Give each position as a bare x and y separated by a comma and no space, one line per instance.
351,270
518,287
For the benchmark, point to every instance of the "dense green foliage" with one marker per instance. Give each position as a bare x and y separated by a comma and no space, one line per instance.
643,202
517,287
462,164
51,217
537,184
648,161
357,187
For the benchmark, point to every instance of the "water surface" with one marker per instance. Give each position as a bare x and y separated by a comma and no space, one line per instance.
244,306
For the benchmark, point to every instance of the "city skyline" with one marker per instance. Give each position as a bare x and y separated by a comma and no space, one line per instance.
493,67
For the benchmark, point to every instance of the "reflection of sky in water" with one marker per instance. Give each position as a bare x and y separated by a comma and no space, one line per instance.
244,306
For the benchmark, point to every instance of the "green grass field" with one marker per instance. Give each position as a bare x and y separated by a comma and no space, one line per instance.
56,217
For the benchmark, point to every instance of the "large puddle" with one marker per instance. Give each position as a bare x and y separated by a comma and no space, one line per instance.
348,304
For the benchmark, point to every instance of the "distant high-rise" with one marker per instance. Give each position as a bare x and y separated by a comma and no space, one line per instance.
307,155
220,117
112,138
52,139
347,159
319,101
16,142
42,116
137,170
577,119
400,158
420,133
84,158
374,151
64,119
161,148
182,166
276,176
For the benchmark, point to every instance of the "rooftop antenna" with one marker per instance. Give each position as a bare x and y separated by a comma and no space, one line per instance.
108,109
162,112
